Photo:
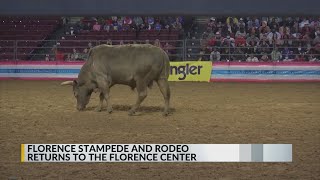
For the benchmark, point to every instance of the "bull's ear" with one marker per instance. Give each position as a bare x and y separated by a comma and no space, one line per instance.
67,83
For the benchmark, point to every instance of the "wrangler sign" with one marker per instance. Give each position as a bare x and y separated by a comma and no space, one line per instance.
190,71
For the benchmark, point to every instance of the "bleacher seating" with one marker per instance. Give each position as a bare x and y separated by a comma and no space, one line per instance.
25,33
80,41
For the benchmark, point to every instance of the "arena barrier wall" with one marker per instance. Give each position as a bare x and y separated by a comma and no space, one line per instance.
181,71
265,72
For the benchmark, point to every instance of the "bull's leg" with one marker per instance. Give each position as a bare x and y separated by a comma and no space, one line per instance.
104,95
142,94
165,90
107,98
99,108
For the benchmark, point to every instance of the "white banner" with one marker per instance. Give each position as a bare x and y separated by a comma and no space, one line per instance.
156,153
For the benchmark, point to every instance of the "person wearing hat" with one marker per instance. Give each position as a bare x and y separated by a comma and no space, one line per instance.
212,23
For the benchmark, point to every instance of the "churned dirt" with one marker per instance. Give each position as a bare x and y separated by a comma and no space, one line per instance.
204,113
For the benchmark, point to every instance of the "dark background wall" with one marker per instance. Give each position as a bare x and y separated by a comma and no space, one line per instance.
160,7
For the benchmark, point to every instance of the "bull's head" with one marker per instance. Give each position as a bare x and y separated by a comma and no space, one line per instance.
81,91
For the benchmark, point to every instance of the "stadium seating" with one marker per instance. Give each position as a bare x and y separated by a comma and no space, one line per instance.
23,34
80,41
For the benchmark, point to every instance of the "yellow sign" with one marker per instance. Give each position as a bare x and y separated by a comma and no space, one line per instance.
190,71
22,152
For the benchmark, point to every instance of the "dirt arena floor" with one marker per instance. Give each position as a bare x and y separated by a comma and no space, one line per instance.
208,113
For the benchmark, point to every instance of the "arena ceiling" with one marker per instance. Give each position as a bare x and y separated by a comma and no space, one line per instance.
161,7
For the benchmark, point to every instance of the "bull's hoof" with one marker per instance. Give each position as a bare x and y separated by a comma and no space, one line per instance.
109,110
131,113
98,109
166,113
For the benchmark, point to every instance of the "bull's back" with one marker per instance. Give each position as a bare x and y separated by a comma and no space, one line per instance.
125,62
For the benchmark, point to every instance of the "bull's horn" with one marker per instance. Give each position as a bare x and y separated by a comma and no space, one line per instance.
67,83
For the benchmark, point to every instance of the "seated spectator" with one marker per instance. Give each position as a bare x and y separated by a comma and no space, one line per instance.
58,54
316,42
96,27
303,23
252,58
253,31
241,33
212,23
127,23
225,30
193,42
138,21
115,26
168,48
127,20
47,58
287,53
74,55
68,57
157,26
312,58
120,22
84,55
177,24
226,54
274,24
264,57
191,54
215,55
238,55
71,31
228,41
108,21
150,20
286,40
299,58
106,27
249,23
114,18
121,42
157,43
202,56
264,46
276,55
232,20
264,28
241,24
274,37
256,22
252,40
216,40
87,27
90,45
109,42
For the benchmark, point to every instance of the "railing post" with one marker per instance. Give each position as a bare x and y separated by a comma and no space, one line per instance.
184,46
15,51
229,49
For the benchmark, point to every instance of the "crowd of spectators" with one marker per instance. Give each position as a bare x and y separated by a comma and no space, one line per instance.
251,39
256,39
116,24
126,23
81,54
